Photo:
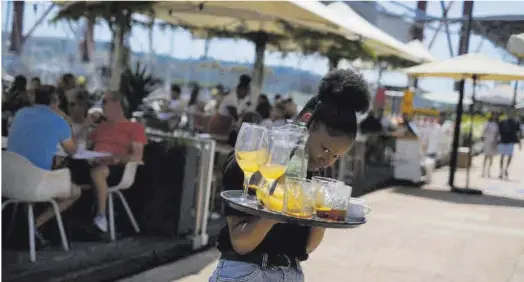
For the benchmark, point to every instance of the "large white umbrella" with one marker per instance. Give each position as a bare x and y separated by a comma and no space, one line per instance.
470,66
235,16
418,49
268,17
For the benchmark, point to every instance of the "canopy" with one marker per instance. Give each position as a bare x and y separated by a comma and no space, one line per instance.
381,42
467,66
516,45
418,48
500,95
245,16
254,16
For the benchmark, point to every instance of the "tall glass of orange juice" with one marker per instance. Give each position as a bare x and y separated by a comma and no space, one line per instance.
251,151
280,148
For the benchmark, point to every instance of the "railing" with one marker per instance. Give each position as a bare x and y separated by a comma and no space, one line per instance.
203,163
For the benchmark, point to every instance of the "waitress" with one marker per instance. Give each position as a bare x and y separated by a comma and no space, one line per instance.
260,249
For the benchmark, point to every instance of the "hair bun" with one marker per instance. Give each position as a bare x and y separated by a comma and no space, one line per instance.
344,89
244,79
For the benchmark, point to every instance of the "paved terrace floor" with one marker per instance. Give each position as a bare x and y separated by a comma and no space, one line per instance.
413,234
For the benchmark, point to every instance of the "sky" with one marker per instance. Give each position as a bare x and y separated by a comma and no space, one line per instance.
238,50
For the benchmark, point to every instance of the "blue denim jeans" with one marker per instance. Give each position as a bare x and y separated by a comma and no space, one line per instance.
238,271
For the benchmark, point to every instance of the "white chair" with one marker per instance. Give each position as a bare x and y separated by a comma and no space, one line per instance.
23,182
127,181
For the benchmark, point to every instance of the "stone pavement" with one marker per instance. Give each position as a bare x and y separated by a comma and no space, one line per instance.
413,234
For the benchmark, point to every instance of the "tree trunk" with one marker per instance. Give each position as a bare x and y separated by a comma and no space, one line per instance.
258,68
121,52
89,41
151,55
118,58
17,27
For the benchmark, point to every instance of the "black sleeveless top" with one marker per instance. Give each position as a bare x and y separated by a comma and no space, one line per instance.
282,239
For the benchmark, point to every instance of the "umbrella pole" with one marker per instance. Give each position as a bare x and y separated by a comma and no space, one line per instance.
470,135
456,137
514,102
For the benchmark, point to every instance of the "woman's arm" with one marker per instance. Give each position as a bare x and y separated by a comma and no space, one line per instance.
247,233
316,234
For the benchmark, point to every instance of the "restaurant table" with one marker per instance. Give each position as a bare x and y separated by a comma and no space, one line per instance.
85,155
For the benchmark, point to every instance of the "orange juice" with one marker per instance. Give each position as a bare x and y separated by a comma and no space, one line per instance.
298,204
274,202
252,190
250,161
272,171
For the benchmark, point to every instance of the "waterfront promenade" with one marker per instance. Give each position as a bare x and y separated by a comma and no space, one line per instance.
413,234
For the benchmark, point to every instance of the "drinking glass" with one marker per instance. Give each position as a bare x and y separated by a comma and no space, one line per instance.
299,197
357,208
325,180
332,199
251,151
275,166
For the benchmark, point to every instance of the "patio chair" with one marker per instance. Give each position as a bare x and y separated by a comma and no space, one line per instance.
127,181
23,182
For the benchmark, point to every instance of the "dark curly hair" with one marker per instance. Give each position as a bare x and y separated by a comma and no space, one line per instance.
341,94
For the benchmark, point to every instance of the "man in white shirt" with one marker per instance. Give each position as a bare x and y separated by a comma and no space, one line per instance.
231,107
176,103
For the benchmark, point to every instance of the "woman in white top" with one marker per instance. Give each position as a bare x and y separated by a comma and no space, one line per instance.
489,143
231,107
78,106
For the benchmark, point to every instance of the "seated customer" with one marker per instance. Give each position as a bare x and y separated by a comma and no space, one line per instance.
78,106
124,140
231,108
35,134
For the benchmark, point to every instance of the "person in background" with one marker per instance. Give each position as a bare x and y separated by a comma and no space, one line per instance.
78,106
278,99
218,93
232,107
278,115
489,143
290,109
17,96
195,104
66,83
176,103
125,141
509,134
35,83
264,110
35,134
